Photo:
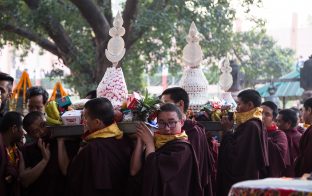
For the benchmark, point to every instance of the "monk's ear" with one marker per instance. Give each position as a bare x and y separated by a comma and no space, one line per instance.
250,105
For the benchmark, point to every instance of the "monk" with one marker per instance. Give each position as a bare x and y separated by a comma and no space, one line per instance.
11,133
304,161
197,136
101,166
287,121
170,166
277,141
243,153
40,173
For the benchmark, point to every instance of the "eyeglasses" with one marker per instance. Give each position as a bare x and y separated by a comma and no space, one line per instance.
171,124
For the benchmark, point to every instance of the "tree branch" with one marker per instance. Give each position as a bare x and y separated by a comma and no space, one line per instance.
44,43
129,16
94,17
57,33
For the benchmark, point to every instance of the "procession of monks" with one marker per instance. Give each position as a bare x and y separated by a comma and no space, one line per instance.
180,158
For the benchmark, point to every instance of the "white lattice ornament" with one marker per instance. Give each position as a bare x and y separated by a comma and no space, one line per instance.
226,79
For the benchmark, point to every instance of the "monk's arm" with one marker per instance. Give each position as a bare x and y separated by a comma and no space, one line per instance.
63,159
136,161
30,175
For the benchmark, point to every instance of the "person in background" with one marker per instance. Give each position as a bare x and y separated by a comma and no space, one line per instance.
243,153
300,128
277,141
304,160
91,94
11,133
37,97
287,120
6,85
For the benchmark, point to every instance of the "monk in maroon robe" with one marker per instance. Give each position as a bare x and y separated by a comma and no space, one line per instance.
102,165
287,122
243,154
277,141
197,137
170,167
304,160
40,173
11,133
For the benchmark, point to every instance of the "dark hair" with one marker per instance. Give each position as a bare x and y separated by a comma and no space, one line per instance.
273,107
177,94
169,107
92,94
30,118
10,119
7,77
289,115
102,109
250,95
308,103
37,90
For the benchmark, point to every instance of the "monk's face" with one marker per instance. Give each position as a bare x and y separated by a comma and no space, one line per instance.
282,125
179,104
307,115
169,123
90,124
244,107
38,128
35,103
267,116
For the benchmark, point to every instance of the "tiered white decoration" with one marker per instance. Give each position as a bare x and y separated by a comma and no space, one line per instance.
113,85
193,80
225,82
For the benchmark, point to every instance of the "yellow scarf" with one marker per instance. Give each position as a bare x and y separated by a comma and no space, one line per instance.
161,140
245,116
110,131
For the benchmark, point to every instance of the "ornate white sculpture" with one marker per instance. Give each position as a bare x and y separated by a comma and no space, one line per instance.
113,85
193,80
116,45
225,82
192,52
226,79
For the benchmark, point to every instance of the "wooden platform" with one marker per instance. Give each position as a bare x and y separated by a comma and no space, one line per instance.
126,127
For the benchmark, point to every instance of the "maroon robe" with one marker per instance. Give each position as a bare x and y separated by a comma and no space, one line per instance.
100,168
207,168
12,188
243,155
51,181
304,161
293,138
172,171
278,153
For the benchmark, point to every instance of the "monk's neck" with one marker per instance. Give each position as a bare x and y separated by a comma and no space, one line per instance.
6,140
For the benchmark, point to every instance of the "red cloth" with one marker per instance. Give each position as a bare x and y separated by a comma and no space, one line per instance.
272,128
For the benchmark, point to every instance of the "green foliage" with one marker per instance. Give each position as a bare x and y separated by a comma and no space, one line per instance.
260,57
160,29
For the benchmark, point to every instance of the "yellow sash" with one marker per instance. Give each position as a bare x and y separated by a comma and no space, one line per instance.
161,140
110,131
245,116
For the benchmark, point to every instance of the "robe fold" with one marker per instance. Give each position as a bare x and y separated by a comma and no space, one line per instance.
100,168
293,138
51,181
172,170
304,161
278,153
207,168
243,155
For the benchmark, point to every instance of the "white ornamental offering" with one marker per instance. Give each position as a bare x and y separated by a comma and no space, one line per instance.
225,82
193,80
113,85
